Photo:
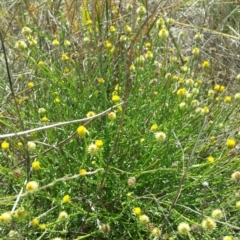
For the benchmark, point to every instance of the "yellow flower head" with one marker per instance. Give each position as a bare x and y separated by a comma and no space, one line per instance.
81,130
148,44
5,145
43,226
163,33
66,43
154,127
82,172
198,37
211,159
128,29
227,99
205,64
89,22
41,63
90,114
55,42
181,80
186,59
112,29
112,50
108,44
115,98
175,78
195,51
56,100
231,143
205,110
30,84
44,119
137,211
212,138
227,238
31,186
123,38
101,80
64,57
66,199
219,88
36,165
149,55
34,222
181,92
160,22
132,68
99,143
5,217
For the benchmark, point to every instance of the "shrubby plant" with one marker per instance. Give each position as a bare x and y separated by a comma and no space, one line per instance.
111,129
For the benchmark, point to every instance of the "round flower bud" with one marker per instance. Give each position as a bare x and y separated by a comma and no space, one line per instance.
184,228
131,181
62,215
31,186
160,136
208,224
144,219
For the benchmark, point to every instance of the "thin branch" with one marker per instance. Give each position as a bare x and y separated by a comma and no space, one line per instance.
59,124
63,179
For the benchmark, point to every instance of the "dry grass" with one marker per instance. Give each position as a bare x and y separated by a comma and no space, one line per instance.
172,146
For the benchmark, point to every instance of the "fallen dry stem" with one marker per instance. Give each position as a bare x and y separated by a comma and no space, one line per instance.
65,178
60,123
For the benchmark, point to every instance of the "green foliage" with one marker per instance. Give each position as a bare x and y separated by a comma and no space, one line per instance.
170,138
